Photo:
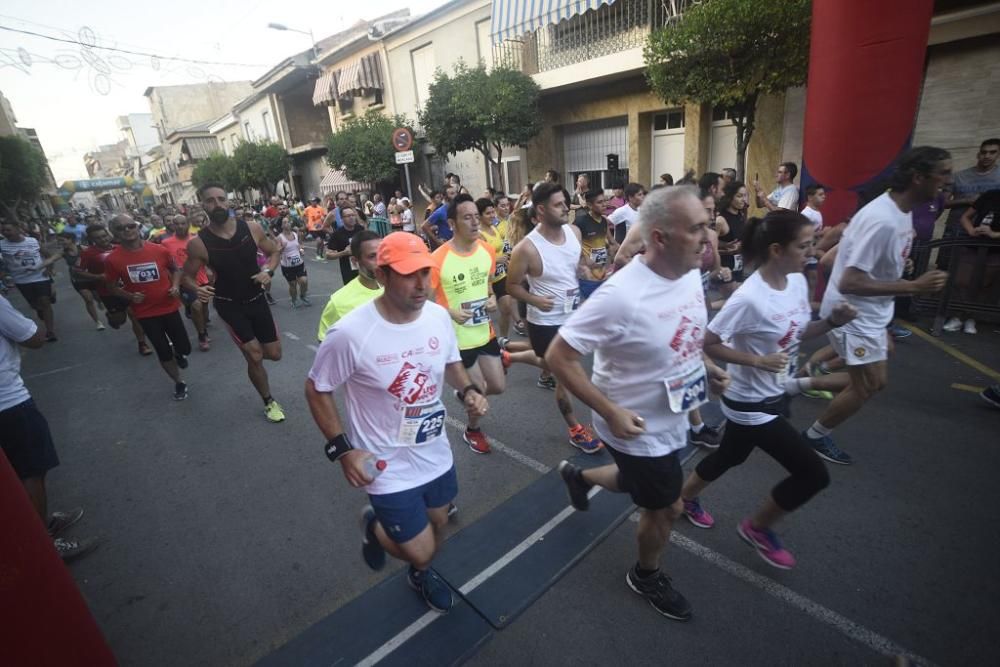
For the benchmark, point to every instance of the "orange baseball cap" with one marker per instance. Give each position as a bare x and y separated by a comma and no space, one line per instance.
404,252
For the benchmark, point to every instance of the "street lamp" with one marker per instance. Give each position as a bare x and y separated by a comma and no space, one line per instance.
285,28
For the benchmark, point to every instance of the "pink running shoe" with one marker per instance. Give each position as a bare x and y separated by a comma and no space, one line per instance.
767,545
696,515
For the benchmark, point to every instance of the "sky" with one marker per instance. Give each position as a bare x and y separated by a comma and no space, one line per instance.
73,95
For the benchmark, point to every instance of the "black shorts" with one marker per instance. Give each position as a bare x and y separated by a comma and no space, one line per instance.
470,356
33,292
115,304
167,335
293,273
654,482
500,287
319,234
26,440
85,286
248,321
540,336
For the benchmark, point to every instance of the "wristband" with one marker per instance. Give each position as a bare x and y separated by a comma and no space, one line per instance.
471,387
270,272
337,446
829,322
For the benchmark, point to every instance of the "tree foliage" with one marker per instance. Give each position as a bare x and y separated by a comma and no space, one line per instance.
363,148
260,165
481,110
726,53
22,173
218,168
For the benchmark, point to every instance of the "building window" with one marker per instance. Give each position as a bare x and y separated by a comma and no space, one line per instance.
484,42
265,119
672,120
378,96
224,151
423,71
248,133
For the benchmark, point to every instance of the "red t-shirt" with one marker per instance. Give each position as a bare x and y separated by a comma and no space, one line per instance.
146,270
92,261
178,249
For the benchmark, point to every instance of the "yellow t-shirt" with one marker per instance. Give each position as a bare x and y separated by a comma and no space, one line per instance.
343,301
463,281
498,242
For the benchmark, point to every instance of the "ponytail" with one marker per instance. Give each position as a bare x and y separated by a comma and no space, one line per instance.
780,226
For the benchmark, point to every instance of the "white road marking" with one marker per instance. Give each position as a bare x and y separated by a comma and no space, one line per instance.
520,457
409,631
51,372
292,336
314,348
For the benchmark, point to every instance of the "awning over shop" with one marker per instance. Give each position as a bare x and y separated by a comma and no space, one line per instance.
338,180
361,76
325,92
513,18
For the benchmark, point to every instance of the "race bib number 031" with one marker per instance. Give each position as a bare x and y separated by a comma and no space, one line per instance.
147,272
688,391
421,424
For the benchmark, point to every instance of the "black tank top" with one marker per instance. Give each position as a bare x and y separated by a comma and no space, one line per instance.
735,222
234,262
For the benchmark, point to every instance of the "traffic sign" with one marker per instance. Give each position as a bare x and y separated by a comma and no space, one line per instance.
402,140
404,157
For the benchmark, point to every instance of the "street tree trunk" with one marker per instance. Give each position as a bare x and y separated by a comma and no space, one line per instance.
744,117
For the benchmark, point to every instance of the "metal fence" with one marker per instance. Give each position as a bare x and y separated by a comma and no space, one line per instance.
599,32
973,286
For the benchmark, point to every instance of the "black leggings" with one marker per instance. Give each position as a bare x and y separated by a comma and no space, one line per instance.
807,474
167,335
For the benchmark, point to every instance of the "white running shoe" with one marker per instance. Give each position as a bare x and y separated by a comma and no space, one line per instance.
970,326
953,324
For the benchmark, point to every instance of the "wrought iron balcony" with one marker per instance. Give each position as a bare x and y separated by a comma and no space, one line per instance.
620,26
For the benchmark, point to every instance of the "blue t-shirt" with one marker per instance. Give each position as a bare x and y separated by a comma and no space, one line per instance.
439,218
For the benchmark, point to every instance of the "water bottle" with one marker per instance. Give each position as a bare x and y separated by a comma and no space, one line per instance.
374,467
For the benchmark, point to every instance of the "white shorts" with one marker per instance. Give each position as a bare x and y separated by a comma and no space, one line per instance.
859,349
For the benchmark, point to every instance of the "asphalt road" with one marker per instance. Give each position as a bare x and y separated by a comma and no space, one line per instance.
224,536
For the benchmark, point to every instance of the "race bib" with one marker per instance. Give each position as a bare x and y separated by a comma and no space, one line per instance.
354,263
479,314
599,256
28,262
500,271
420,424
737,263
294,260
791,367
687,391
572,300
147,272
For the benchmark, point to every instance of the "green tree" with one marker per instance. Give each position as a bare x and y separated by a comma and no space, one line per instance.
481,110
219,168
260,165
22,174
727,53
363,148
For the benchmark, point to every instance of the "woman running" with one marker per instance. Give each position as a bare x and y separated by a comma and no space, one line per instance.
763,324
729,224
293,266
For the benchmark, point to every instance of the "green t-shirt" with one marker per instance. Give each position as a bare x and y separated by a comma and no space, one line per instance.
343,301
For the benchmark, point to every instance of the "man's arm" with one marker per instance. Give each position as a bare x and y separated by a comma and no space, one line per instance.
857,282
36,341
522,260
430,230
473,399
267,244
324,413
630,247
196,259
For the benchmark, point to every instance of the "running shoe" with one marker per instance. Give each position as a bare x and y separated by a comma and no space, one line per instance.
991,395
270,299
576,486
305,301
452,510
203,342
520,328
476,441
505,359
696,515
181,360
660,594
180,391
970,327
502,342
817,370
581,438
899,333
71,549
100,326
295,303
50,337
60,521
432,588
274,412
952,325
826,448
818,393
144,348
767,544
371,551
546,381
707,437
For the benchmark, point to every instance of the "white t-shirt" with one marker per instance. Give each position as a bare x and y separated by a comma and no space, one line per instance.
407,218
291,252
625,214
14,328
877,241
644,331
785,196
761,320
23,260
817,219
393,377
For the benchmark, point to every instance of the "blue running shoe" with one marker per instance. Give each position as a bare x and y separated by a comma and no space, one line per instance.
899,333
828,450
432,588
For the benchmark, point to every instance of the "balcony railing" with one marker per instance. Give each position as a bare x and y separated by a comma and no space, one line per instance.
599,32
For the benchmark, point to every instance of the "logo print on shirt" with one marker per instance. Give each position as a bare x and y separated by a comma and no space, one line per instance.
432,342
790,335
413,384
687,339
